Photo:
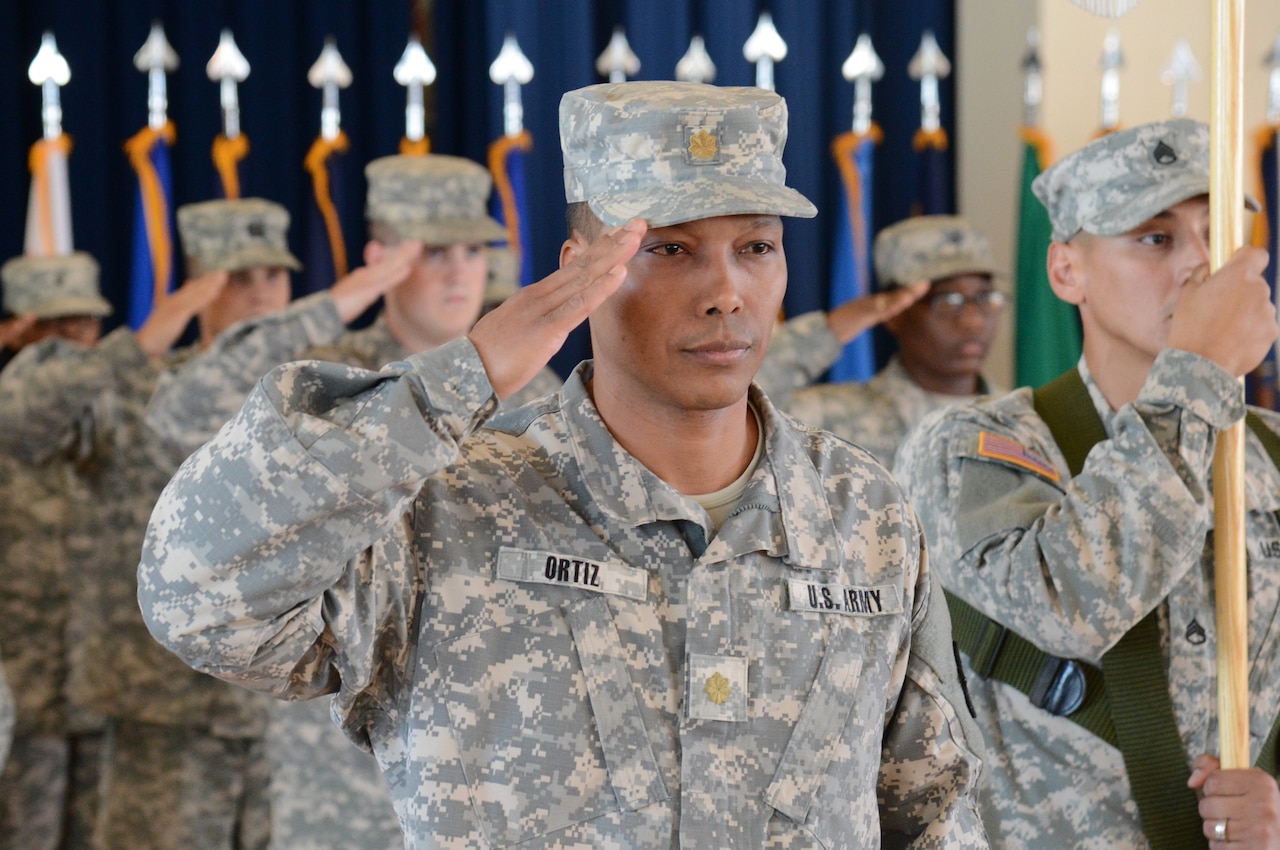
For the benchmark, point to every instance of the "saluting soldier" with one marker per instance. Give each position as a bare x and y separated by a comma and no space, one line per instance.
647,611
185,765
1073,524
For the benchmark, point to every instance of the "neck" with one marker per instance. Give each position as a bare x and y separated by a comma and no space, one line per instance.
963,385
695,452
412,339
1119,371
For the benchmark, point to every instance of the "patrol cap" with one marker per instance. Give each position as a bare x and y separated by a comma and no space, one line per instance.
436,199
1115,183
236,234
670,152
52,287
930,247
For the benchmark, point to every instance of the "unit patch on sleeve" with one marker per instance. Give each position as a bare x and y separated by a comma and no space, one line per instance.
1002,448
876,601
610,577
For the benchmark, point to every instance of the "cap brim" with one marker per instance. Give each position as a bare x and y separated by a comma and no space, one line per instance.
73,306
453,231
690,200
256,257
1125,217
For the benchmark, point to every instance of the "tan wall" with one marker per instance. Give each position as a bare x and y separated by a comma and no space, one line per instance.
990,41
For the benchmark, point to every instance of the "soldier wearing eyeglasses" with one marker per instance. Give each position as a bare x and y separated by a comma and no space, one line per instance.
943,337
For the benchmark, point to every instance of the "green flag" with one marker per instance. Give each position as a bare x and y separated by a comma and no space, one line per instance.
1046,330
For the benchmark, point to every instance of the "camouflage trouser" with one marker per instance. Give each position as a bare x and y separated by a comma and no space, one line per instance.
48,793
33,793
171,787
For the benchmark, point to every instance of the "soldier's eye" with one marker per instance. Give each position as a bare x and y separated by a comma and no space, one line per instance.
667,249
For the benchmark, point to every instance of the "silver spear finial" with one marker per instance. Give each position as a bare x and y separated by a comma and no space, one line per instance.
929,65
414,71
1032,79
511,70
695,66
1272,61
228,68
1111,62
617,62
156,58
1182,70
49,71
329,74
764,47
862,68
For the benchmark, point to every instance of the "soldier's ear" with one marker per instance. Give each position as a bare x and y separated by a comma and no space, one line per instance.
1065,267
572,248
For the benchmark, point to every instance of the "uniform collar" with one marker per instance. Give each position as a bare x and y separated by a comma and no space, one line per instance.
784,511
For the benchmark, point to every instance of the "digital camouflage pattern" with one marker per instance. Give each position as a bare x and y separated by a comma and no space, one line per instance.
437,199
236,234
223,800
50,287
930,247
670,152
326,793
510,614
95,407
1117,182
800,350
875,415
1073,564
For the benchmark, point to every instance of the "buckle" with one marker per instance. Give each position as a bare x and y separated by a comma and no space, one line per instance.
1060,687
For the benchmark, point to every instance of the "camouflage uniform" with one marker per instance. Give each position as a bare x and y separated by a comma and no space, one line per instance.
48,787
325,792
174,735
875,415
1072,563
542,642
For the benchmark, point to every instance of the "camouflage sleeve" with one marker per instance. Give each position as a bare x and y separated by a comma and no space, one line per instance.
281,542
932,757
546,382
191,402
1071,563
47,393
799,351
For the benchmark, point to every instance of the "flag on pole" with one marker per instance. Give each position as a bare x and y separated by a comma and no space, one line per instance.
1046,328
48,230
1263,385
228,68
510,205
851,255
327,249
227,154
151,270
933,197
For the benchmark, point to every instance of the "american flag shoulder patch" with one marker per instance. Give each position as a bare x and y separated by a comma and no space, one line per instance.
1010,451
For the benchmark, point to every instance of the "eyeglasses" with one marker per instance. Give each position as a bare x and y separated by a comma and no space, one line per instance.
949,305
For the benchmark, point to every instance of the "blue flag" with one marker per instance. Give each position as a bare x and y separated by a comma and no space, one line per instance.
510,203
851,253
326,254
934,196
151,267
1263,385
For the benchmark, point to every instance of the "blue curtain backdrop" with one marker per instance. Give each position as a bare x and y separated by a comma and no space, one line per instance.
105,102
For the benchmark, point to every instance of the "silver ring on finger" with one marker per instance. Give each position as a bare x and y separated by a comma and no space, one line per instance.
1220,830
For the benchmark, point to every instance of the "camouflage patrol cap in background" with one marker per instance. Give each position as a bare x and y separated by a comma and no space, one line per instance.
1117,182
53,287
436,199
669,152
930,247
233,235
